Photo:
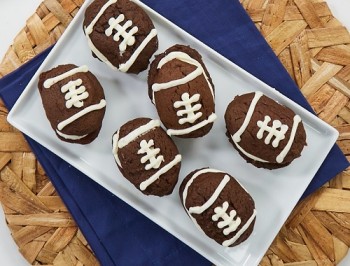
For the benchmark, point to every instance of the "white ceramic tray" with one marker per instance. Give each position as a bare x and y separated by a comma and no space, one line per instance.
275,192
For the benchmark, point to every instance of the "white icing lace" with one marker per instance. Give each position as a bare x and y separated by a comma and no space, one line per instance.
74,93
150,154
190,111
228,220
277,130
122,31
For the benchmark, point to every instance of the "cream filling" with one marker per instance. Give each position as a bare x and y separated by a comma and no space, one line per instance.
71,137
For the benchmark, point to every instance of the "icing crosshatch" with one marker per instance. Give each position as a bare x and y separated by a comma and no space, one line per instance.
122,31
190,113
230,220
151,154
129,38
276,132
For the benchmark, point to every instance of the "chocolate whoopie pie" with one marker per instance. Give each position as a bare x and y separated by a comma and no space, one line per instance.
74,102
218,205
147,156
264,132
121,34
182,91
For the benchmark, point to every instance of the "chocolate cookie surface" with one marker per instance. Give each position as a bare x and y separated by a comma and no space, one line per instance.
121,34
147,156
182,91
265,133
74,102
218,205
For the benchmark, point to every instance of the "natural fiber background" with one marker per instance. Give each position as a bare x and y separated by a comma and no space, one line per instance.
315,49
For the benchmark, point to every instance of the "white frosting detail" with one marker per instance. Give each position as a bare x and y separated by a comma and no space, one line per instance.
115,140
74,94
232,240
174,132
200,209
211,200
99,54
251,156
161,171
184,58
72,137
51,81
83,112
137,132
277,130
173,83
128,37
151,154
227,219
189,183
273,131
283,153
90,28
190,112
125,66
237,136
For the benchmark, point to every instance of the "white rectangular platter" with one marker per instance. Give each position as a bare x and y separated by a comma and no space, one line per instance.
275,192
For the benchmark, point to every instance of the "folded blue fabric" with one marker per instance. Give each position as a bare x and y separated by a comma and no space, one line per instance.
118,234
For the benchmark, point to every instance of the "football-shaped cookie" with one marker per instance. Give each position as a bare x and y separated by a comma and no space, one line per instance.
147,156
121,34
74,102
264,132
218,205
180,87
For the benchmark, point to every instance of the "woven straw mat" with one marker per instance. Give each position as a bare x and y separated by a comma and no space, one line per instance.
314,48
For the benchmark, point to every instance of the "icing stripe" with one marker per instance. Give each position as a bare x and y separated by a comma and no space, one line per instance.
237,136
124,67
138,132
89,29
83,112
174,132
161,171
184,58
51,81
284,152
211,200
173,83
244,228
99,54
189,183
248,154
115,140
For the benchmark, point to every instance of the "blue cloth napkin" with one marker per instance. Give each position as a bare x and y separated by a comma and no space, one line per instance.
118,234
